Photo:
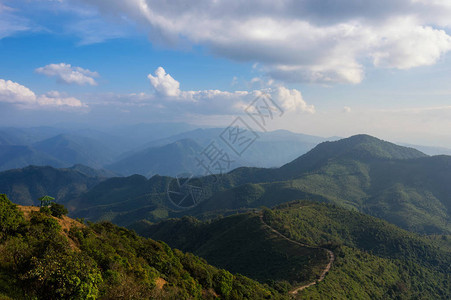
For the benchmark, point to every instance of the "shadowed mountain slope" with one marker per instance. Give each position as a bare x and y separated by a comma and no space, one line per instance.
28,184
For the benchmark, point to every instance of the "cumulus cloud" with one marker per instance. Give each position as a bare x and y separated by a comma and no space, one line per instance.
167,90
405,45
69,74
21,96
169,99
12,92
164,84
312,40
291,100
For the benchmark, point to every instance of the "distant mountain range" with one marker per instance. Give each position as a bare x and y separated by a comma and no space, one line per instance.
171,159
270,149
146,149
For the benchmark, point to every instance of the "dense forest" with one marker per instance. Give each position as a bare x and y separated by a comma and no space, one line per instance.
373,258
48,257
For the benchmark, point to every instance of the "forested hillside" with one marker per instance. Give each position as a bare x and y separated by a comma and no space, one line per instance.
373,259
363,173
46,257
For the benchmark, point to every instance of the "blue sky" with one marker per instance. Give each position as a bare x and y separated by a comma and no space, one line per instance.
335,67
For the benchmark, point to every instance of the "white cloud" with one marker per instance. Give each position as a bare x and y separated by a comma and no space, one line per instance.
21,96
12,92
164,84
168,94
169,99
69,74
311,40
291,100
405,45
56,99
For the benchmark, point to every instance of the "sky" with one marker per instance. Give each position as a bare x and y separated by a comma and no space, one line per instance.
333,67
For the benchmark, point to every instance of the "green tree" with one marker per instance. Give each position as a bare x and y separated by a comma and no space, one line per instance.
223,282
46,201
10,217
64,276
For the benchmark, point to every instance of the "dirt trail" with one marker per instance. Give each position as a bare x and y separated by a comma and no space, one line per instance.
325,270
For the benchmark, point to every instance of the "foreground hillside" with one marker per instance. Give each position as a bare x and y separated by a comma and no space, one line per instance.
242,244
373,259
45,257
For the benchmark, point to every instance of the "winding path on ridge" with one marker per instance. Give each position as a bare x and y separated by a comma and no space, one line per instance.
325,270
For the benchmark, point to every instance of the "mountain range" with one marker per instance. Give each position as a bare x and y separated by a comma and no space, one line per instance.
146,149
401,185
354,218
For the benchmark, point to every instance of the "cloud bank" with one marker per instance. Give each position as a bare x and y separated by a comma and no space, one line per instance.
312,40
167,94
22,97
69,74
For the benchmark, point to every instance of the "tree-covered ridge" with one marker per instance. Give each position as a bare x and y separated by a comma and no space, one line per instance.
391,182
26,185
373,258
38,259
362,173
360,147
241,243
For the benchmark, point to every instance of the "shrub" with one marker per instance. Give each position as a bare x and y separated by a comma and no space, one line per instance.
58,210
45,210
10,217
